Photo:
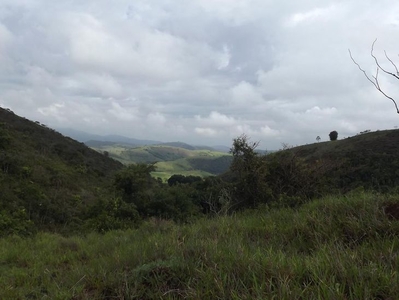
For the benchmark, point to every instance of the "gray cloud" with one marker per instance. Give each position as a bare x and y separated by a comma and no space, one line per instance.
201,71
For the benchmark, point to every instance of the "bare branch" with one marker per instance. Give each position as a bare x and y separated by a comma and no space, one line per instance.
360,68
378,64
393,64
375,82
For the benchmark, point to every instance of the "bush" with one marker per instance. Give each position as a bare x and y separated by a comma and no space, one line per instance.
250,186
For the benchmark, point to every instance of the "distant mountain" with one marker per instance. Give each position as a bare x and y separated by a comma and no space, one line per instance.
187,146
84,137
102,144
96,140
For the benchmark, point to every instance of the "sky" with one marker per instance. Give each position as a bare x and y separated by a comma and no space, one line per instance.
200,71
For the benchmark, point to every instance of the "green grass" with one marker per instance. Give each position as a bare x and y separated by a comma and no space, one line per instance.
333,248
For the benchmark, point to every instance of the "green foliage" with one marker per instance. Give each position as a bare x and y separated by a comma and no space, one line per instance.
213,165
283,178
154,199
135,183
250,187
4,136
112,215
175,202
52,183
332,248
15,222
177,178
50,178
293,180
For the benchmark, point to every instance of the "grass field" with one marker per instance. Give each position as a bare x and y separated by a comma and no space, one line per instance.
333,248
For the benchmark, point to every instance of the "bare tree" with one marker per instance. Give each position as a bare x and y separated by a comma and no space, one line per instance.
374,78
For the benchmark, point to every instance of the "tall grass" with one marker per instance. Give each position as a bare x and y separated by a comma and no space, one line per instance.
333,248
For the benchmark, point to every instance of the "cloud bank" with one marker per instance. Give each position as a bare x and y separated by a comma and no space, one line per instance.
201,71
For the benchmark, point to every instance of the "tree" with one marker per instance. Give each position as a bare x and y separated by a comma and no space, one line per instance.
333,135
250,187
318,138
374,78
177,178
134,183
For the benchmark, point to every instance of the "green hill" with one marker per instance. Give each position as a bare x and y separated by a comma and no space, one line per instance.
179,145
370,160
47,180
171,158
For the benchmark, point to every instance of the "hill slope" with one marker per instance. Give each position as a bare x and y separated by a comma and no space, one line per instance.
47,179
370,160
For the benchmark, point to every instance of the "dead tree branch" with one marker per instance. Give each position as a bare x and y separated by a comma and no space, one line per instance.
374,79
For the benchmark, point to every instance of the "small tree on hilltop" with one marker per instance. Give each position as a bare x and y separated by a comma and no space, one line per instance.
333,135
318,138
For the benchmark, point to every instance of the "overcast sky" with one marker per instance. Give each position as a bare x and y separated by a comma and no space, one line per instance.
199,71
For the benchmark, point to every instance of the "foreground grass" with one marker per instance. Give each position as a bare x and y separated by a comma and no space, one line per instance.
334,248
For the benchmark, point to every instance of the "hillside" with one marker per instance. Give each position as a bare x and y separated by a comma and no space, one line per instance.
370,160
47,180
170,158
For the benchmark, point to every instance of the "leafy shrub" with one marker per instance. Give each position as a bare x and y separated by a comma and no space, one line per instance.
16,222
250,186
112,214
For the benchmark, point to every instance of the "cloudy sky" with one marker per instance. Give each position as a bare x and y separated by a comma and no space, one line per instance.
199,71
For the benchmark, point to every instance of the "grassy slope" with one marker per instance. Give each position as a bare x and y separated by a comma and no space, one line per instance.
378,142
370,160
172,160
334,248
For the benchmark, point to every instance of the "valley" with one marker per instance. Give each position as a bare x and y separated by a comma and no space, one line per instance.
169,158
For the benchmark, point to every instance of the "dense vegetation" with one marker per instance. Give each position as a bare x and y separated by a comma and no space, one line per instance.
305,222
47,181
333,248
50,182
